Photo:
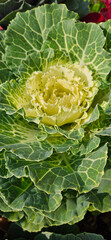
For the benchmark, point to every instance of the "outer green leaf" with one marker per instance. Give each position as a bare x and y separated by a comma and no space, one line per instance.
22,138
90,145
62,171
71,210
81,7
99,201
8,95
12,216
84,43
76,173
3,170
4,207
22,193
62,144
81,236
105,185
34,220
77,134
2,50
105,132
106,26
4,71
32,29
93,116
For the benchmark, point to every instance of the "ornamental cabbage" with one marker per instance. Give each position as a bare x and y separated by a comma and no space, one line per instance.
55,118
59,95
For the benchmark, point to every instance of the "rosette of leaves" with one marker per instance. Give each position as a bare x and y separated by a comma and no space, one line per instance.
55,118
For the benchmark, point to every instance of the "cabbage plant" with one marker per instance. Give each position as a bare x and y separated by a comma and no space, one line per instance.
55,118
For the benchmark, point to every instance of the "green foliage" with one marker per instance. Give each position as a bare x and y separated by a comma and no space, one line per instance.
81,236
52,174
95,6
79,6
9,8
16,233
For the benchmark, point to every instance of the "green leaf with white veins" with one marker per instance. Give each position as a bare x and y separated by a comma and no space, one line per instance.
22,193
84,43
22,138
62,171
106,131
105,185
12,216
106,26
72,208
4,71
32,29
99,201
3,170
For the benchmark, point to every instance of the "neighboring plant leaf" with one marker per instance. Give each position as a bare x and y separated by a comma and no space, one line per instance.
81,236
95,6
8,10
79,6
